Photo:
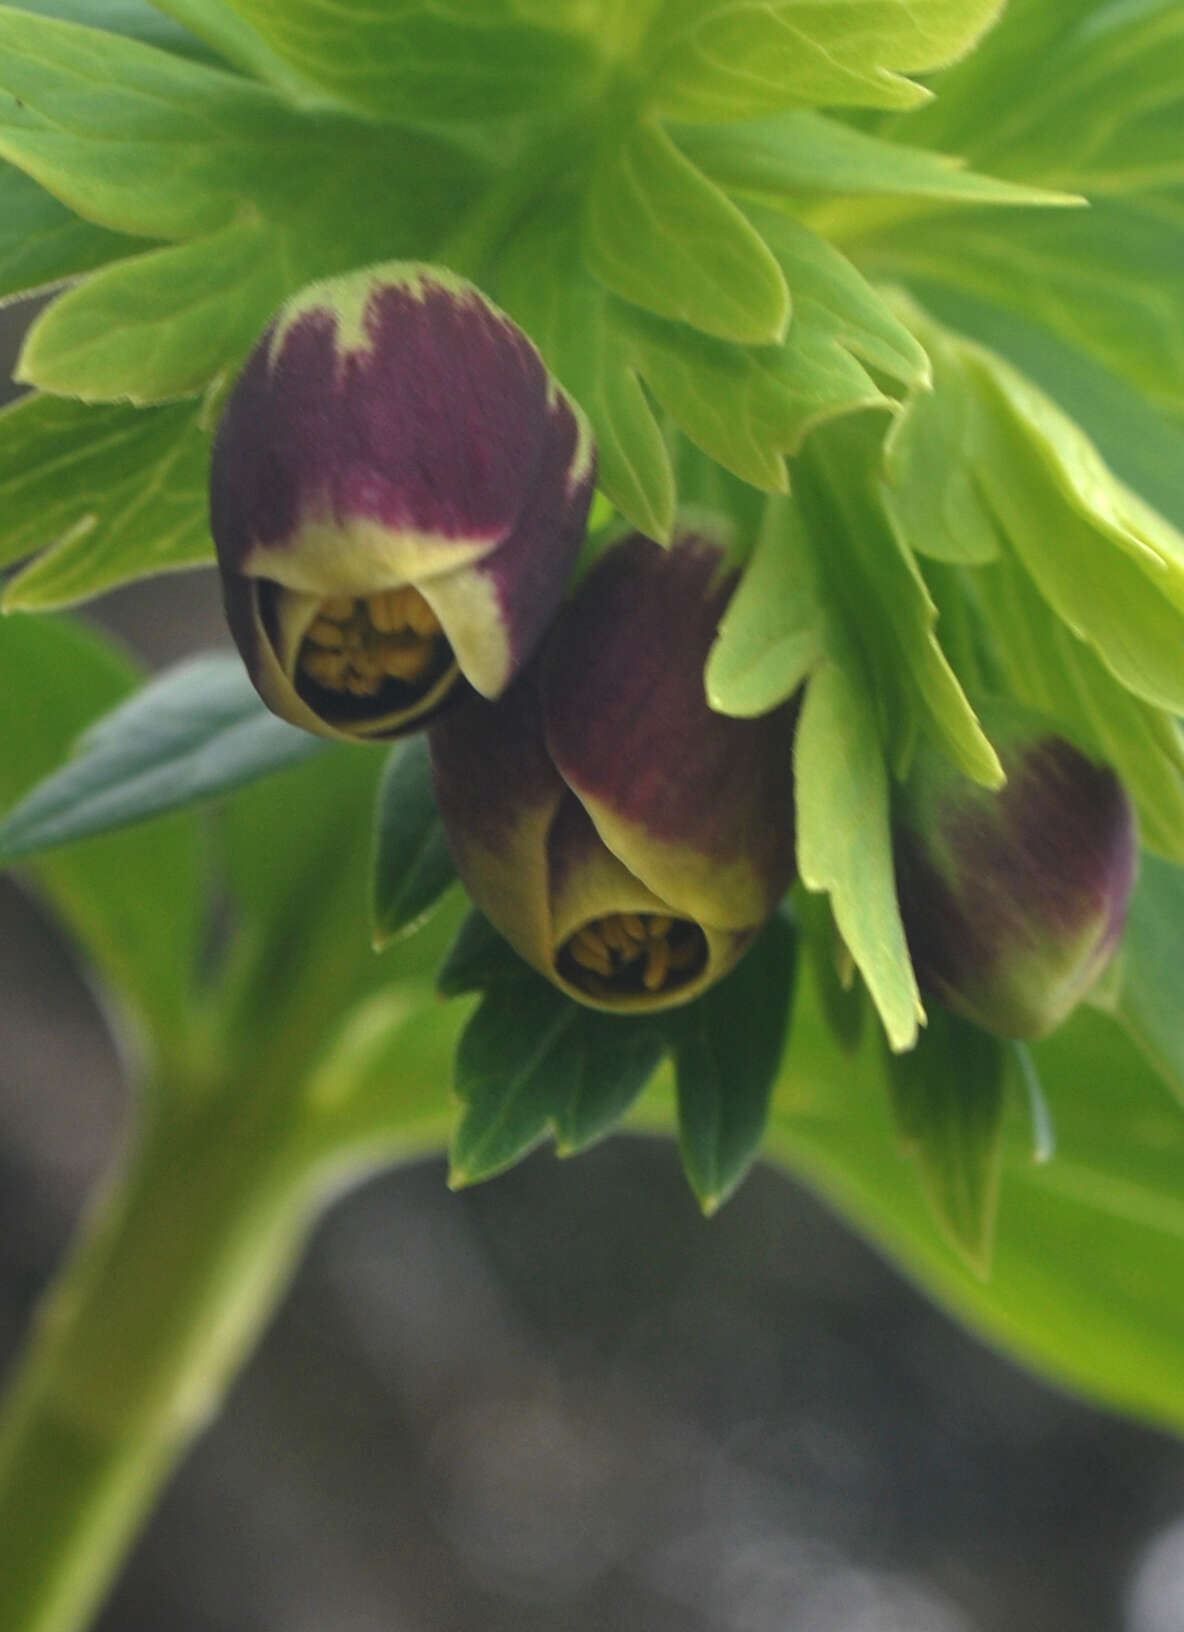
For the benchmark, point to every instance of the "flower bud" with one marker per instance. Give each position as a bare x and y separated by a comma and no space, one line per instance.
1013,902
625,839
397,494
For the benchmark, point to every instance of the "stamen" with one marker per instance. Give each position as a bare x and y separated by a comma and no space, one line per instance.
390,638
631,954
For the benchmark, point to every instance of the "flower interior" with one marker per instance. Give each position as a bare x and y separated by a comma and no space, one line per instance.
386,650
630,953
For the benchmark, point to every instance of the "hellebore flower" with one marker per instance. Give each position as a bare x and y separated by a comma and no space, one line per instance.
625,839
1013,902
397,493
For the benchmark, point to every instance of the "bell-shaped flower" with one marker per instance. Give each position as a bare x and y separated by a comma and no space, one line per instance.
1013,902
628,841
397,494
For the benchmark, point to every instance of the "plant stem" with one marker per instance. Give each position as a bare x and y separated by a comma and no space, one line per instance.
171,1280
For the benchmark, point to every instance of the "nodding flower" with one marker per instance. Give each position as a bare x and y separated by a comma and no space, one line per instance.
628,841
398,492
1013,902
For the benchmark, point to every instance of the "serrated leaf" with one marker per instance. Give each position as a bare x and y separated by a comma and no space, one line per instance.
42,242
737,60
727,1047
478,957
544,284
109,493
530,1059
873,577
405,60
54,676
161,325
658,233
192,733
844,842
1047,667
773,632
412,862
1150,1000
797,152
947,1095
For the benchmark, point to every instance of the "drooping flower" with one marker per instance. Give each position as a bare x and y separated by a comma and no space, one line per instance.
397,494
628,841
1013,902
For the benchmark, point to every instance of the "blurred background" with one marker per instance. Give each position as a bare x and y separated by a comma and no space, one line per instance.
565,1402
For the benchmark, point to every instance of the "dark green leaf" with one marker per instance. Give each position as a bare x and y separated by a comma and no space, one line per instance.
947,1094
42,242
195,732
477,958
55,676
727,1046
658,233
412,862
530,1059
108,493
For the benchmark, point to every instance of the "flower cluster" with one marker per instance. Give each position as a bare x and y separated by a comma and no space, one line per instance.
398,495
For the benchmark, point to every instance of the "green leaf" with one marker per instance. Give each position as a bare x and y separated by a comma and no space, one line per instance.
477,958
733,61
795,152
1151,969
844,842
135,18
412,862
727,1048
772,635
193,733
54,677
109,493
658,233
42,242
947,1094
530,1059
1089,1247
404,60
579,328
163,324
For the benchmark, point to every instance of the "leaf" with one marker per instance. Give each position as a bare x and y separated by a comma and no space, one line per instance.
1089,1247
1151,969
412,862
772,634
727,1048
110,493
658,233
530,1059
54,676
403,60
194,732
136,18
947,1095
794,152
578,327
737,60
42,242
844,843
164,323
477,958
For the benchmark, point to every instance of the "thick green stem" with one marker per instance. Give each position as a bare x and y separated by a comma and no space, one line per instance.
173,1276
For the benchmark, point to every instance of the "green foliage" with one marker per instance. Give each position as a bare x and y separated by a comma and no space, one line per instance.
42,242
108,493
1147,1001
412,863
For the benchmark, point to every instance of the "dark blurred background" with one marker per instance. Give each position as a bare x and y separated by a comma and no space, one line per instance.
564,1402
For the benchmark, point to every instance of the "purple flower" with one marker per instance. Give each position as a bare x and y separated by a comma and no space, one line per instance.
625,839
1013,902
397,495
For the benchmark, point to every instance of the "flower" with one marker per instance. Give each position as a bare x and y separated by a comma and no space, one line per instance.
397,494
625,839
1013,902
